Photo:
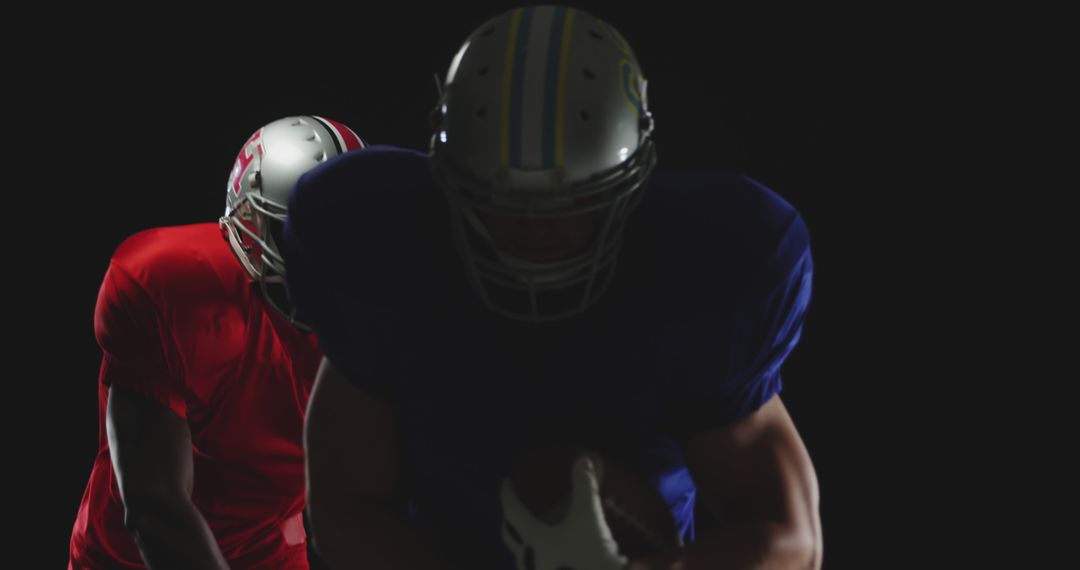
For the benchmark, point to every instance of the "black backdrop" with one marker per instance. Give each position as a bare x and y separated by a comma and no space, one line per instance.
145,119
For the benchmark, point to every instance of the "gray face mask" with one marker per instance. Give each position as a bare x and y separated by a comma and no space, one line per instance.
547,291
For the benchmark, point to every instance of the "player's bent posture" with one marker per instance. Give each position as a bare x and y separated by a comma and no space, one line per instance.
205,379
518,288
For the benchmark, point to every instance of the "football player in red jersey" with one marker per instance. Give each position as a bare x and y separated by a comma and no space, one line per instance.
205,379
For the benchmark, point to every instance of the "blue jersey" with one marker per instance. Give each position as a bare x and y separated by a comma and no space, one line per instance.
707,300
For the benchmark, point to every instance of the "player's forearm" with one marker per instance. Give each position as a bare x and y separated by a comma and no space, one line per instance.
373,538
751,545
171,533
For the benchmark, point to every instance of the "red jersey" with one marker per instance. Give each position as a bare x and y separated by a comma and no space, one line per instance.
180,322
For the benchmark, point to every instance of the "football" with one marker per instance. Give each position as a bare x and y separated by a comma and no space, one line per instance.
640,521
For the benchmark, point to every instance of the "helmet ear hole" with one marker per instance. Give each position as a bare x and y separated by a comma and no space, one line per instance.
255,179
645,123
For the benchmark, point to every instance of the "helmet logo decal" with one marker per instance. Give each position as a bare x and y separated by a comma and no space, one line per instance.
630,81
244,160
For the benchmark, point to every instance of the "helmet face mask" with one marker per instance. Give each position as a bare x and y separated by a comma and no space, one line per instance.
542,118
265,171
253,229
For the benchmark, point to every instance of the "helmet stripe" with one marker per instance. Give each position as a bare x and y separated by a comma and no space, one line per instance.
534,87
345,139
517,87
508,72
555,86
348,136
534,94
334,136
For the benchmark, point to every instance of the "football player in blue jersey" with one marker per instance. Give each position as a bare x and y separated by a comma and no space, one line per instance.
532,282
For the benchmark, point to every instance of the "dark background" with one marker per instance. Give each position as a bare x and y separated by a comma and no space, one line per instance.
829,109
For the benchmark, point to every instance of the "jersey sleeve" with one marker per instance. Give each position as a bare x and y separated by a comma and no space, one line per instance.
731,366
139,352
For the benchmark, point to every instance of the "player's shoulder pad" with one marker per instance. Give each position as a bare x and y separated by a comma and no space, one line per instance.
183,264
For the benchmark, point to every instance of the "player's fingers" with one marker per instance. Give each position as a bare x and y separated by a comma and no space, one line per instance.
585,499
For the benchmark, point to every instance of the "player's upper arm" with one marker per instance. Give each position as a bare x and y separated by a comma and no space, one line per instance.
757,470
151,452
351,448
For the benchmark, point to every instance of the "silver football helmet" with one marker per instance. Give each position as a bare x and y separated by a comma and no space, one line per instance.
543,115
265,171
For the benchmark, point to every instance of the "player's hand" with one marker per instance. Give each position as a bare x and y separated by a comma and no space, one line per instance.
581,540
